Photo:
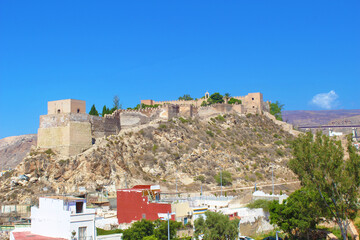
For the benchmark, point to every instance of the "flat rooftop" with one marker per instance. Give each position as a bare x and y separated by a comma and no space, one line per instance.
67,198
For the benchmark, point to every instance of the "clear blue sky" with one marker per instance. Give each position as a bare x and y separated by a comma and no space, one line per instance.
291,51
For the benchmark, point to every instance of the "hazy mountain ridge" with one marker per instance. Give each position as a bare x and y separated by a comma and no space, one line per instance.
321,117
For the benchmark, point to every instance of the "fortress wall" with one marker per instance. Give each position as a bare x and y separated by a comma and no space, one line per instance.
104,126
186,111
130,119
72,138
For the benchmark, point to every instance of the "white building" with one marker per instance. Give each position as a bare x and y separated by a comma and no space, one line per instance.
63,217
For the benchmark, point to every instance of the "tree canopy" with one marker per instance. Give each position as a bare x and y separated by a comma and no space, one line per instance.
216,226
321,167
298,214
146,229
275,109
93,111
225,178
186,97
234,101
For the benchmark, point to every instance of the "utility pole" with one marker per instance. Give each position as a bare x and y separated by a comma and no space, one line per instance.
272,176
168,226
176,180
221,179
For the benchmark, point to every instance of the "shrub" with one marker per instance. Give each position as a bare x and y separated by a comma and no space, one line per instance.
220,118
260,203
100,231
226,178
162,126
49,152
183,120
210,133
234,101
279,142
200,178
280,153
154,148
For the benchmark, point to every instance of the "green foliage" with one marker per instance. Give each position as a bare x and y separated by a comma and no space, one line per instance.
105,110
226,178
93,111
49,152
298,214
215,98
152,237
100,231
139,230
154,148
200,178
210,133
220,118
320,165
260,203
216,226
183,120
161,229
186,97
204,104
162,126
234,101
143,106
275,109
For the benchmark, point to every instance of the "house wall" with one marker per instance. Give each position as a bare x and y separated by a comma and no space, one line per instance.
131,206
50,219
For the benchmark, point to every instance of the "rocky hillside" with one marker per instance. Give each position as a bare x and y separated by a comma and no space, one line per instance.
14,149
191,151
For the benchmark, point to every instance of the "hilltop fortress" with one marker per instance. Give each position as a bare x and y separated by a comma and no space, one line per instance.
68,130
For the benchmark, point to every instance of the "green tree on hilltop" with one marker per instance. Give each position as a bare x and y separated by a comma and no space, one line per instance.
215,98
321,167
186,97
93,111
105,110
275,109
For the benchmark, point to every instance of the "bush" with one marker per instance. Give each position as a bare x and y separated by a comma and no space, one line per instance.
162,126
183,120
200,178
49,152
234,101
260,203
226,178
100,231
154,148
210,133
220,118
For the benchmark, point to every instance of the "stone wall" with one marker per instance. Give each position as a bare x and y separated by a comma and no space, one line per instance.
72,133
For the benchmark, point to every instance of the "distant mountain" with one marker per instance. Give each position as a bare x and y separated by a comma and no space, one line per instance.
322,117
14,149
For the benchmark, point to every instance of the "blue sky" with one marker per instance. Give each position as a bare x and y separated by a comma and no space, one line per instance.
291,51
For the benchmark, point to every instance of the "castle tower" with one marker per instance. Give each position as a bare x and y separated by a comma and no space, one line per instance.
69,130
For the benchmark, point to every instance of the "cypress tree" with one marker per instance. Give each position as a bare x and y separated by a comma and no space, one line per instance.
93,111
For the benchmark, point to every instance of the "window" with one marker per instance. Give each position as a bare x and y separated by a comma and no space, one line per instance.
78,110
58,111
79,207
82,233
144,216
252,99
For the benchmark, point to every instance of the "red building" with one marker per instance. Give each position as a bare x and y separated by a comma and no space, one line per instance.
141,201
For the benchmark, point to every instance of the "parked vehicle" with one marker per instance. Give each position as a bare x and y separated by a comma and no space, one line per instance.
245,238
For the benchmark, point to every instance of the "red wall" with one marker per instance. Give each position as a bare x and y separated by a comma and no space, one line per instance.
131,205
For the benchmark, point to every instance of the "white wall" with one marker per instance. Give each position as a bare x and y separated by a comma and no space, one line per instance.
50,219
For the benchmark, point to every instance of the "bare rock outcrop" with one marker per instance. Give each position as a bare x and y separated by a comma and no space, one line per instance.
14,149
